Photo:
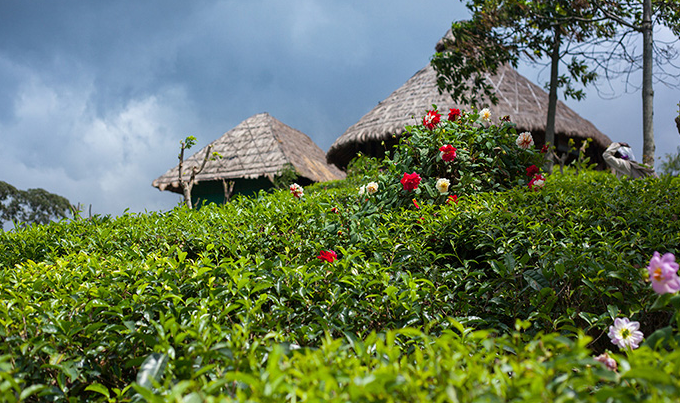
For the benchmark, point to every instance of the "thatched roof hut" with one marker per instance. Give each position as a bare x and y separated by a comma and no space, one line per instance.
525,103
253,153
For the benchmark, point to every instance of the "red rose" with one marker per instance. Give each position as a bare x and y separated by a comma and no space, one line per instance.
532,170
327,255
448,152
410,181
453,114
431,119
452,198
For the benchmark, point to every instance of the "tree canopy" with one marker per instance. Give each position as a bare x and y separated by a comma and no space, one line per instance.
32,206
587,37
505,31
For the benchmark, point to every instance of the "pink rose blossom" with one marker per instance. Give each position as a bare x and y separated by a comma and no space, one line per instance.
663,272
608,361
625,334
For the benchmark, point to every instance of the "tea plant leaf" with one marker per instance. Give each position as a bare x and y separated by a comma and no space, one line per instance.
99,388
152,370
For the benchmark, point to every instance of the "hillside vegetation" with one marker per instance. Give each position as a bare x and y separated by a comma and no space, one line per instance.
505,292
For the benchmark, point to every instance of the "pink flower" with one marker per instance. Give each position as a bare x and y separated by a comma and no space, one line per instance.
452,199
448,152
327,255
537,182
410,181
431,119
454,114
625,334
608,361
297,190
663,272
532,170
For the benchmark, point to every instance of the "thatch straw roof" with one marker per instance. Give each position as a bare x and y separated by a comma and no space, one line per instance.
525,103
259,146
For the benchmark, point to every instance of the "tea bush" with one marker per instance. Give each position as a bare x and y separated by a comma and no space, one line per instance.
503,295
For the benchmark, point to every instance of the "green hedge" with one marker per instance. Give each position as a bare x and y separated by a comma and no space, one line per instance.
209,295
505,295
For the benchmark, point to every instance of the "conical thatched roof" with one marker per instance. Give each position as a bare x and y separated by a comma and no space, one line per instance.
259,146
525,103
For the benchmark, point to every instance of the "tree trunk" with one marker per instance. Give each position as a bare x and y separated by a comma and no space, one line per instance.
186,189
552,94
648,146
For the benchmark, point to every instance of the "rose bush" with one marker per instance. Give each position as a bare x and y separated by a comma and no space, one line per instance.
471,154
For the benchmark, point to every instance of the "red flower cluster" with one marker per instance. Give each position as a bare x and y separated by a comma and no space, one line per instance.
532,170
448,152
431,119
454,114
410,181
328,255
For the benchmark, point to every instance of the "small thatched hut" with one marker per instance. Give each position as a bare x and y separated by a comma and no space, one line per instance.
253,153
525,103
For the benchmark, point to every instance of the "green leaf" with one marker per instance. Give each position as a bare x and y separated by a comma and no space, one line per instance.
659,338
152,370
99,388
535,279
661,301
31,390
613,311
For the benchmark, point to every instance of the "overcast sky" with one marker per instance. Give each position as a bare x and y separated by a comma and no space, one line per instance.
95,96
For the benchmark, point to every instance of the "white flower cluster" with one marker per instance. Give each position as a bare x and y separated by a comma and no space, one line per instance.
485,114
443,185
524,141
297,190
370,188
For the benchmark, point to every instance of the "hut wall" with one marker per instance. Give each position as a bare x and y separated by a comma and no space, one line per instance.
213,191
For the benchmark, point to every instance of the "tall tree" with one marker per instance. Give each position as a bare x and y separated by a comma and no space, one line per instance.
32,206
505,31
642,16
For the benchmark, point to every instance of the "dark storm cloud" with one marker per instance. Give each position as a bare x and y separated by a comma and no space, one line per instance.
96,95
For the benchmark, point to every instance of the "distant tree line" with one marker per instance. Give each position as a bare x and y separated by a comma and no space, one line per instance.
32,206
